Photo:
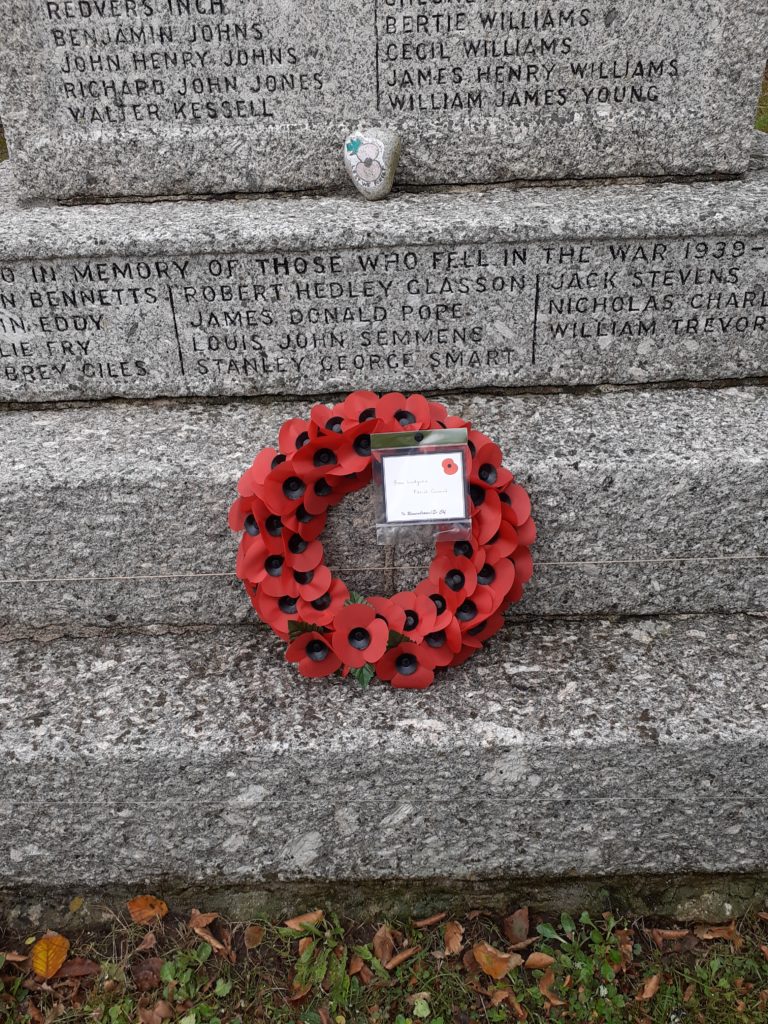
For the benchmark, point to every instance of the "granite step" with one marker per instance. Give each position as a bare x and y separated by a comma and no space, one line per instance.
566,748
449,288
647,501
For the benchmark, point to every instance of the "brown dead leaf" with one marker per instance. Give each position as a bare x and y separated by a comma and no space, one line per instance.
254,936
470,964
305,943
298,924
662,935
516,947
299,992
148,942
710,933
34,1014
355,965
147,1016
545,987
146,908
365,974
427,922
400,958
325,1017
688,994
14,958
500,996
493,962
517,925
146,974
48,954
763,915
76,904
198,920
163,1009
539,962
650,988
78,967
764,951
384,945
519,1012
207,936
453,933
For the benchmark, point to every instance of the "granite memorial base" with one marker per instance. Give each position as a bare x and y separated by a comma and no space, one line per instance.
459,288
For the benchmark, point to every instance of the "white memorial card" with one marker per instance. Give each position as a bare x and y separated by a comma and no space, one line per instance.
424,486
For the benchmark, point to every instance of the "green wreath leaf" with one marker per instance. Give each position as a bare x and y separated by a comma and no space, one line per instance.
363,675
355,599
295,629
396,638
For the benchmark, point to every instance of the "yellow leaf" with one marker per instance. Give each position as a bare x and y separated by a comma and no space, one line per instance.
48,954
146,908
76,904
539,962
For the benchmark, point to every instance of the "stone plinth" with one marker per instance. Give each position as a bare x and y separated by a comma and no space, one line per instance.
640,498
152,97
461,288
566,749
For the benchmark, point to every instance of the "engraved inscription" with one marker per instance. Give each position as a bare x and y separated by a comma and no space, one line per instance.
418,317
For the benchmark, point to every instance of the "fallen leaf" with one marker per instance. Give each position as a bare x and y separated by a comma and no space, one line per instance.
355,965
402,957
517,925
365,974
764,951
325,1017
427,922
14,958
763,915
298,992
198,920
163,1009
539,962
305,943
254,936
453,933
711,933
493,962
207,936
662,935
75,904
147,1016
384,945
500,996
34,1014
470,963
650,988
146,908
48,954
526,944
517,1009
146,974
545,987
148,942
688,994
298,924
78,967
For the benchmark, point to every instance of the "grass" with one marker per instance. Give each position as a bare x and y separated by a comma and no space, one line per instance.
596,968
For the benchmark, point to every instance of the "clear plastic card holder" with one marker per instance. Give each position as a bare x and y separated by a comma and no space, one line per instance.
421,485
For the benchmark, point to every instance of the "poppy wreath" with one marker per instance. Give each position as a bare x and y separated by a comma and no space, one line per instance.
281,510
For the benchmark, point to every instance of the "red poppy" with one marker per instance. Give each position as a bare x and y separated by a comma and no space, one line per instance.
442,645
311,584
503,543
304,523
302,554
276,612
294,434
438,414
487,469
359,637
397,412
326,421
498,577
519,505
359,407
475,609
322,610
275,576
321,495
476,637
466,548
355,453
442,609
253,517
526,533
523,565
420,614
314,654
455,578
284,489
254,476
456,422
486,511
393,614
320,458
406,667
449,467
251,555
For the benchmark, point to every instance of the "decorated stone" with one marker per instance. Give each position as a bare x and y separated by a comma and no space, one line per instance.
371,158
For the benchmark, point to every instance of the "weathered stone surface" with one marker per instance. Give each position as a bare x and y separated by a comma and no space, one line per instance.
464,288
371,159
566,748
151,97
641,498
